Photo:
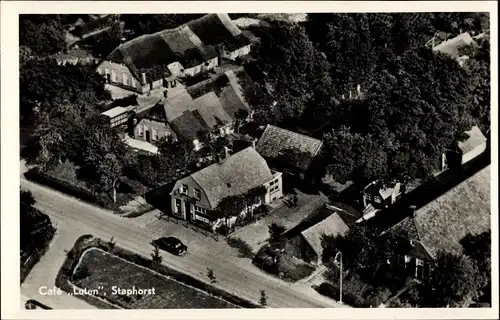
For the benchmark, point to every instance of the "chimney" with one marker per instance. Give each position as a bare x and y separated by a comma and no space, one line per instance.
412,210
144,78
253,143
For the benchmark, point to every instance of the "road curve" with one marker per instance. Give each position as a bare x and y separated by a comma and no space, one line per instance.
243,280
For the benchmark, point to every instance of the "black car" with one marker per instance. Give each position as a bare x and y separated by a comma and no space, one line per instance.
171,244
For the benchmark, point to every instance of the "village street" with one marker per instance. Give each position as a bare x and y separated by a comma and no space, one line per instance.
233,274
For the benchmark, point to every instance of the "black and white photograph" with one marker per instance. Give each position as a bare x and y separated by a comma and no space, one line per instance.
231,160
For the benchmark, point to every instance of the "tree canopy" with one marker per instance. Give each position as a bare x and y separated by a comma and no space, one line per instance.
453,281
141,24
42,34
35,227
58,100
362,248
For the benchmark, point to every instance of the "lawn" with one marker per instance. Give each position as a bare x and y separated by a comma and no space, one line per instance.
106,270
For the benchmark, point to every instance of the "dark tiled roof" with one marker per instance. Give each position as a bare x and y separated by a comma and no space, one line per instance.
235,175
157,112
475,139
444,222
276,142
229,87
211,111
188,125
217,29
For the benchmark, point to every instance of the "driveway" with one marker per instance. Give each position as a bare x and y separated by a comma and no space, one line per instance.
241,278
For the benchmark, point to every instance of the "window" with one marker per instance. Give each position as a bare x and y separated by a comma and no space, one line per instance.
202,219
199,210
197,194
139,131
184,189
177,205
272,183
133,82
125,79
106,70
155,134
419,262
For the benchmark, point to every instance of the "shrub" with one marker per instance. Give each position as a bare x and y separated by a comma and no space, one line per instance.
294,271
333,292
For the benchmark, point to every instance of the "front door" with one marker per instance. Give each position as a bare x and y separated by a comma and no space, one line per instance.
187,211
108,78
148,136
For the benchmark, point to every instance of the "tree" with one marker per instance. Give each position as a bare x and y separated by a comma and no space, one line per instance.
229,207
276,233
453,281
263,298
478,248
254,196
26,198
43,36
362,248
102,154
36,229
55,89
112,243
155,255
290,62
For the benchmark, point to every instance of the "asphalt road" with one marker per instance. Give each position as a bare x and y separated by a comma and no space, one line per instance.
77,218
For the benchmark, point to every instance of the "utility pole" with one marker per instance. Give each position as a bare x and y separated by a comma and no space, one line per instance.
114,189
340,254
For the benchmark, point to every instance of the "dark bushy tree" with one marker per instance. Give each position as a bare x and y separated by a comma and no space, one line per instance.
453,281
276,231
291,65
43,35
362,248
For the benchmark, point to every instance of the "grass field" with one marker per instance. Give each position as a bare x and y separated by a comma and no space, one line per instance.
106,270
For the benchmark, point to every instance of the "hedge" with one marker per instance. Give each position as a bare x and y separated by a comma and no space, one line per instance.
333,292
40,177
71,261
83,243
183,278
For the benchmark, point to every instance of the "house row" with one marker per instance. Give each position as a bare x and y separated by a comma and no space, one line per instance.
210,107
377,197
158,60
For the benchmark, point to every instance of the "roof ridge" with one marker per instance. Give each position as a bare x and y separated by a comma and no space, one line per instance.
294,132
322,220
